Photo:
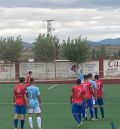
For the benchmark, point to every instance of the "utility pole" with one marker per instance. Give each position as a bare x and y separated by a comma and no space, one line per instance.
55,55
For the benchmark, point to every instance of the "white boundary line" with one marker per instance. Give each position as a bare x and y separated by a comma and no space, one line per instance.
52,86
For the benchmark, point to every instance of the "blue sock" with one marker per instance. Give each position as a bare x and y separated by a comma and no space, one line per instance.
83,113
91,112
76,118
112,125
95,110
102,111
15,122
79,115
22,124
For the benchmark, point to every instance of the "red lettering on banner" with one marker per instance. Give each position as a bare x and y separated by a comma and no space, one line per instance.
3,69
113,66
113,63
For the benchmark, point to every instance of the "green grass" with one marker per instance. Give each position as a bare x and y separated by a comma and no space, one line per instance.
56,110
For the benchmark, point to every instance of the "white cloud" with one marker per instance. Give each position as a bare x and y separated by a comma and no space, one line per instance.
29,22
61,3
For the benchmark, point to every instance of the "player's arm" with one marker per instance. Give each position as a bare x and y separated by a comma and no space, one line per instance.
14,97
39,100
71,96
26,100
84,98
71,99
103,93
92,91
95,93
25,97
94,85
26,78
39,97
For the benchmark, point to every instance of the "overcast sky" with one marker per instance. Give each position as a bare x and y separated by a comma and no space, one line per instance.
94,19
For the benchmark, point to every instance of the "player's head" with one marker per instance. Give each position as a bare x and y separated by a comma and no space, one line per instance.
30,72
81,71
21,79
31,80
85,77
78,81
90,75
96,77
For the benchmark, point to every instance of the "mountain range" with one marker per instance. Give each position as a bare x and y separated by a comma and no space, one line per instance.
109,41
26,45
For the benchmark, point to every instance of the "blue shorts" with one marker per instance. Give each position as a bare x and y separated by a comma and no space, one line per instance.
20,109
99,101
77,108
88,103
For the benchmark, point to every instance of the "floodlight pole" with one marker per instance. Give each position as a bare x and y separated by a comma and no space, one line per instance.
55,55
49,33
49,27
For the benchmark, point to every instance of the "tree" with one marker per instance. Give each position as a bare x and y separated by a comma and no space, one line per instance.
97,54
103,51
77,50
46,47
115,54
10,48
93,54
119,53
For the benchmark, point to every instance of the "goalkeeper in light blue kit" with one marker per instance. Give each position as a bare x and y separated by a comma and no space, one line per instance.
34,103
80,76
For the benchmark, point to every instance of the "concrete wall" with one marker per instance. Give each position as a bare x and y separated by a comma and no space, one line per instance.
111,68
57,70
60,70
48,70
7,71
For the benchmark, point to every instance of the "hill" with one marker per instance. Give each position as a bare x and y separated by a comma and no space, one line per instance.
109,41
27,45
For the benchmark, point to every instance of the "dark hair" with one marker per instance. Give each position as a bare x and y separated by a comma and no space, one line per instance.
21,79
31,80
78,81
96,77
85,76
30,72
90,75
81,71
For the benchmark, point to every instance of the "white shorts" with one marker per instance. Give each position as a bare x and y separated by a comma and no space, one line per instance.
82,81
35,110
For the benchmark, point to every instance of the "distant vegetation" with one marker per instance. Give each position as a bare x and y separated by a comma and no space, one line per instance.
48,48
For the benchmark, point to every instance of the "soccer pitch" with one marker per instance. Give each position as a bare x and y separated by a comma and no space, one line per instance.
56,110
